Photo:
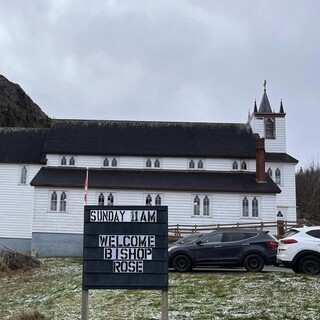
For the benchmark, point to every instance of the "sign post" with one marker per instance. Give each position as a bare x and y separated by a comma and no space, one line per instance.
125,247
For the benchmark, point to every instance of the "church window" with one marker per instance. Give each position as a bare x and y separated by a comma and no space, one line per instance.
63,161
191,164
157,163
158,200
206,207
200,164
101,199
250,207
255,208
114,162
278,176
245,207
148,163
54,201
106,162
71,161
269,172
235,165
269,129
243,165
148,200
23,177
63,202
196,206
110,199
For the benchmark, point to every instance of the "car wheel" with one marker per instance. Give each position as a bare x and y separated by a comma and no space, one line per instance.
310,265
254,262
182,263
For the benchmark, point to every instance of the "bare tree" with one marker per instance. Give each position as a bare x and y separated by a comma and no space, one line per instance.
308,193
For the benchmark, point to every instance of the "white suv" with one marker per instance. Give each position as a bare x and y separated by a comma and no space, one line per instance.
300,250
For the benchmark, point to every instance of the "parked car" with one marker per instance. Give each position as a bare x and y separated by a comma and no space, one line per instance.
252,249
189,238
300,250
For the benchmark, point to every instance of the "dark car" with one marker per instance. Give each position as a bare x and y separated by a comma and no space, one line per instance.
252,249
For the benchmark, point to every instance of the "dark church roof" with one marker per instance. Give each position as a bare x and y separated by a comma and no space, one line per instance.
157,180
280,157
22,145
135,138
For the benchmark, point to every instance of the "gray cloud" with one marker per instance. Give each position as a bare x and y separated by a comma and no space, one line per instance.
183,60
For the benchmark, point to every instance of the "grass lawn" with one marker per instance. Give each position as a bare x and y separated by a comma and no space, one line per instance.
54,291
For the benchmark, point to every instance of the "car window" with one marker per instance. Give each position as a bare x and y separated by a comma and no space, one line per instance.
214,237
291,233
314,233
238,236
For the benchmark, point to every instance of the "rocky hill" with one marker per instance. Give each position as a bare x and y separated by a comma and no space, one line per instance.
17,109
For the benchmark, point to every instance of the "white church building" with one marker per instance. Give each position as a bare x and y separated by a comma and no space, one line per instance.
206,173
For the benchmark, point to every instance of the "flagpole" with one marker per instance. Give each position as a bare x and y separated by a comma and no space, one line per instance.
86,182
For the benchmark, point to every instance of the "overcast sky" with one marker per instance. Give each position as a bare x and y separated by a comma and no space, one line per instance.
168,60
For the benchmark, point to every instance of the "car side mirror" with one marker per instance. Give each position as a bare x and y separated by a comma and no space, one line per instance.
198,242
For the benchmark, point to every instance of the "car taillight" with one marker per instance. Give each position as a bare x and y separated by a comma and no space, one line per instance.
288,241
273,244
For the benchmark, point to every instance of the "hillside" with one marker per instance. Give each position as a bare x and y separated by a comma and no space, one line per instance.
17,109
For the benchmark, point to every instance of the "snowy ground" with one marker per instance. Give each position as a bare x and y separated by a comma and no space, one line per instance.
55,291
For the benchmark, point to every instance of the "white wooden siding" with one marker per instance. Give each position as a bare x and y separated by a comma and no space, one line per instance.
225,208
16,202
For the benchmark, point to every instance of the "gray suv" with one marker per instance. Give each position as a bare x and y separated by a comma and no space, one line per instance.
249,248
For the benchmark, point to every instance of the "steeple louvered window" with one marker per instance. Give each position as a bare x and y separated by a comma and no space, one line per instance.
269,128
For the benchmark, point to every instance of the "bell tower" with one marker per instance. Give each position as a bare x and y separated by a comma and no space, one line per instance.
269,124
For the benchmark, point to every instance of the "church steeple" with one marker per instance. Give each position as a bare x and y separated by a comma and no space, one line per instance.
281,107
265,104
255,110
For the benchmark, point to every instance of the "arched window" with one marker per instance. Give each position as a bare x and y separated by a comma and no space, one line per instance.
54,201
148,200
191,164
114,162
206,206
101,199
269,129
63,202
243,165
63,161
269,172
196,206
148,163
106,162
245,207
278,176
255,208
110,199
235,165
23,178
158,200
71,161
200,164
157,163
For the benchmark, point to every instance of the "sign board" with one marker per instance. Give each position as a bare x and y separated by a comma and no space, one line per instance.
125,247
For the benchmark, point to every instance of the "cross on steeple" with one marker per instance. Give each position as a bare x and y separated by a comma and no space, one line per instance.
265,85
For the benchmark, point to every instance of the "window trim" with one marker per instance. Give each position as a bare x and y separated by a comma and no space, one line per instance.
60,196
201,205
247,206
